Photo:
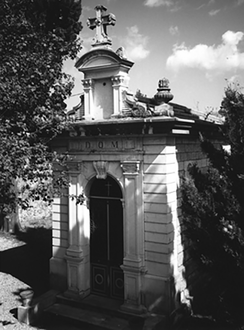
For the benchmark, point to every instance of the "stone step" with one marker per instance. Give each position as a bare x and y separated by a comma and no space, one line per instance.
96,303
90,319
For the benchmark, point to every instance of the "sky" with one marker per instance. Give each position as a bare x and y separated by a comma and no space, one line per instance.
198,45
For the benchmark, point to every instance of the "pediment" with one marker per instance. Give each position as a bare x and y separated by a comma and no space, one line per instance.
97,58
100,58
98,61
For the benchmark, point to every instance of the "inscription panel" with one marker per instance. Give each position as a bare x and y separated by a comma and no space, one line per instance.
102,145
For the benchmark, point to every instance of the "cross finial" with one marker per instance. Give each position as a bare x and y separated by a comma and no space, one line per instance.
100,23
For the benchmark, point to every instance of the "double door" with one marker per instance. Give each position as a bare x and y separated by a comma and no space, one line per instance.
106,244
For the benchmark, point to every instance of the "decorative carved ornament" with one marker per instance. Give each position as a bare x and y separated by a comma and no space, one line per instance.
163,95
100,23
87,83
121,52
73,166
130,167
101,168
117,80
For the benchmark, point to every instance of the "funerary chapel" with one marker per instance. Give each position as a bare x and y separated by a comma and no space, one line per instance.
127,155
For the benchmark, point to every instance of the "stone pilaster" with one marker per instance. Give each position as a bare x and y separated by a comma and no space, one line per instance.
119,84
133,263
88,98
77,254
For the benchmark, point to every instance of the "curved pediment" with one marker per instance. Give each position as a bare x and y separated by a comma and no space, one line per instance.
101,58
97,60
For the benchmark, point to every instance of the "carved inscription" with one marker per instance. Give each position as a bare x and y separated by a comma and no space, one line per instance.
99,145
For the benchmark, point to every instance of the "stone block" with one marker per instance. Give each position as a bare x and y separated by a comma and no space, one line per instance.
159,248
157,257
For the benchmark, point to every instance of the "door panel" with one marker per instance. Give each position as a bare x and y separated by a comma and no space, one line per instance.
116,232
99,275
117,282
98,231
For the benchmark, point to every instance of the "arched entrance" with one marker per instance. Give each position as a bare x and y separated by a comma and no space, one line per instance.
106,244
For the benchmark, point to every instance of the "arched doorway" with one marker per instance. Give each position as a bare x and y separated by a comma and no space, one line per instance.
106,244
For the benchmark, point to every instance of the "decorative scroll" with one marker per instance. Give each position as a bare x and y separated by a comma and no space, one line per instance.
134,107
101,168
121,52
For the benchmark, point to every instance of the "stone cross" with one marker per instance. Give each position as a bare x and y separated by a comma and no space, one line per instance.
100,23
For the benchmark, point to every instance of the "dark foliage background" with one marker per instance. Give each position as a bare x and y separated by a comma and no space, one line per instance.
213,218
36,36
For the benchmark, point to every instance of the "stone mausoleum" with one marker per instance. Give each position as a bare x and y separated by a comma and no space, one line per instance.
127,155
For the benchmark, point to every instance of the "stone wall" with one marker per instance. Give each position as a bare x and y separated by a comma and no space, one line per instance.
159,173
161,249
165,162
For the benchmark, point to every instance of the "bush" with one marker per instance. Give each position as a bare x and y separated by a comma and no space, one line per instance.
213,216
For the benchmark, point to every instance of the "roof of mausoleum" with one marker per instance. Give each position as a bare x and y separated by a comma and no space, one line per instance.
139,107
182,122
136,113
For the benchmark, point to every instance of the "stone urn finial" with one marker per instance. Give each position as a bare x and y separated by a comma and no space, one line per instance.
163,95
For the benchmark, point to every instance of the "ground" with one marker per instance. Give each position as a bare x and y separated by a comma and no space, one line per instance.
10,285
24,263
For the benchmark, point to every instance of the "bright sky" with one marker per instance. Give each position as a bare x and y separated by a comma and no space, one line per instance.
197,44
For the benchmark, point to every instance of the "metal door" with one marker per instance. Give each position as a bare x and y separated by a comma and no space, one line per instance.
106,244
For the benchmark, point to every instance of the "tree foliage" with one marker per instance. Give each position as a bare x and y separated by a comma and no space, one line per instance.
213,215
36,36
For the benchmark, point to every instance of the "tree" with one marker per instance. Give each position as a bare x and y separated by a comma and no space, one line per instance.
36,36
213,216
